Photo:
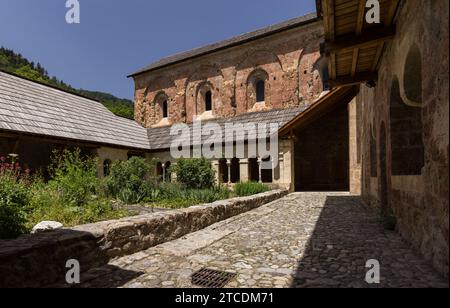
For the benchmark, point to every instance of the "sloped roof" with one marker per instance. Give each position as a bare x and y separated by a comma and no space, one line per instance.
161,138
234,41
33,108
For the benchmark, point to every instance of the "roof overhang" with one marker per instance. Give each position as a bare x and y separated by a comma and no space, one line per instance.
352,46
339,96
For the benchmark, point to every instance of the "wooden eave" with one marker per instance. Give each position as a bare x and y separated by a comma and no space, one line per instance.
327,103
353,47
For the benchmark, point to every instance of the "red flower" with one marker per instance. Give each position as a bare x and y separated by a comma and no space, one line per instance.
2,159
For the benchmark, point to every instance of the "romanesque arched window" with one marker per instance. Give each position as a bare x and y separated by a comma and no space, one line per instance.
260,89
107,167
208,101
205,98
406,135
161,106
257,87
165,109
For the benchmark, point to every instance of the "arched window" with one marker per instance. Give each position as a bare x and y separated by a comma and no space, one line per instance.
260,89
223,171
168,171
208,101
159,171
235,175
267,174
107,167
165,109
408,154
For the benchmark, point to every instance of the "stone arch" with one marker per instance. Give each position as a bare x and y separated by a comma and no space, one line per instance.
258,75
411,79
268,62
159,171
107,163
205,74
373,153
383,178
158,106
201,97
406,132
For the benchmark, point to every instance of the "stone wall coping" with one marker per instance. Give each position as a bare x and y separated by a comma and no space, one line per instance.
39,259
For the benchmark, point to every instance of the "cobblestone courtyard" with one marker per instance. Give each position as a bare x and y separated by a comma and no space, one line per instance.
303,240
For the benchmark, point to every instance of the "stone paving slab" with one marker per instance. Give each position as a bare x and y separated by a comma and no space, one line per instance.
304,240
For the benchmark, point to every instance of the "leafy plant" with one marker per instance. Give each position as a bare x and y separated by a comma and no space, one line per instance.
249,189
14,199
74,176
129,180
195,173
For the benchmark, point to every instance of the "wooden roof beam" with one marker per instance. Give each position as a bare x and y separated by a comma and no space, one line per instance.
391,13
360,20
357,79
329,19
352,41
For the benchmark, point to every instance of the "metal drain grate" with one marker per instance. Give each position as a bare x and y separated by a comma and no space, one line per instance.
208,278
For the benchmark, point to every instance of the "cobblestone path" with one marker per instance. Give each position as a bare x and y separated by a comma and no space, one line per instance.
303,240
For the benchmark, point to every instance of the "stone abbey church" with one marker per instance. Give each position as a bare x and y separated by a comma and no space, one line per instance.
361,108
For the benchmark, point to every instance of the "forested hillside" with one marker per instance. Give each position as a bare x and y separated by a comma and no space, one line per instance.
16,63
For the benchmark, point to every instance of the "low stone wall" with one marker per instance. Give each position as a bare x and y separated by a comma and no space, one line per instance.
39,260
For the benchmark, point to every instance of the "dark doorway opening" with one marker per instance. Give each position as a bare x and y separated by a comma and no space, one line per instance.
322,153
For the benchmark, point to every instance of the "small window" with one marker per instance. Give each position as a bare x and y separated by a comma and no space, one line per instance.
208,101
260,91
165,110
107,167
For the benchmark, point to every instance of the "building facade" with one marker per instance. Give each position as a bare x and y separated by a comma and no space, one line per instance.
275,69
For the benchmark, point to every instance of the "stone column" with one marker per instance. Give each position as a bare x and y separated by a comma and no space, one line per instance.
355,152
281,168
243,165
229,170
215,166
164,172
259,169
288,164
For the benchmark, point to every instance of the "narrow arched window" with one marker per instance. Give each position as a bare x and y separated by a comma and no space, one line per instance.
208,101
107,167
260,91
165,109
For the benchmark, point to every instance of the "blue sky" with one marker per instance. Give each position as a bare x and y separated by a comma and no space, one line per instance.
117,37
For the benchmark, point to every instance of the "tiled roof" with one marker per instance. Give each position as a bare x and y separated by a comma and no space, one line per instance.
161,139
33,108
237,40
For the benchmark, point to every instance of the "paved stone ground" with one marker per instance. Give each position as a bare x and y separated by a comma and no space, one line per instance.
303,240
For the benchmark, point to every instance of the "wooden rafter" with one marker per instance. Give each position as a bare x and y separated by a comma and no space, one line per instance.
391,13
355,61
357,79
377,57
354,49
352,41
360,20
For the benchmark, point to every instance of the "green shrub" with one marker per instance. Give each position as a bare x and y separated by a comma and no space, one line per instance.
47,205
250,188
175,195
14,199
129,180
74,177
195,173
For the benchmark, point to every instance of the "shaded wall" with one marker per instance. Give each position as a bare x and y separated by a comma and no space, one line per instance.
405,130
322,154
